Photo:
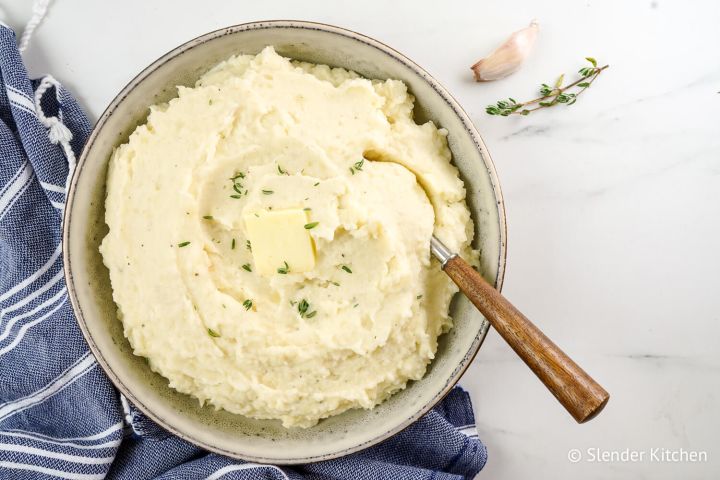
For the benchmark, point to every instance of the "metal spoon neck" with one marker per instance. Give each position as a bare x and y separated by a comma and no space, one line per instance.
441,252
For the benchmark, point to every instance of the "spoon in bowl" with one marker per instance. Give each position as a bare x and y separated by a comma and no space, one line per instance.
577,391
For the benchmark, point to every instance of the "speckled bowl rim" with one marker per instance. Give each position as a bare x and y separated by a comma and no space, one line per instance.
297,24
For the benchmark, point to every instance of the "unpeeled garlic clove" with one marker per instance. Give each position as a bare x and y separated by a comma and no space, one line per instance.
508,57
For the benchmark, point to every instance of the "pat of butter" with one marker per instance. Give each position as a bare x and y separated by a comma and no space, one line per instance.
277,237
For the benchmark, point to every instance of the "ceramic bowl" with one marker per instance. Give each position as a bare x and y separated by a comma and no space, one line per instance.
89,283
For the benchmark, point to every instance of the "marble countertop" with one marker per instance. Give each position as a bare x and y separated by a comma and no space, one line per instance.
613,204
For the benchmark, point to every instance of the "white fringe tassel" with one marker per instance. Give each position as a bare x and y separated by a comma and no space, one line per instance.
39,9
58,133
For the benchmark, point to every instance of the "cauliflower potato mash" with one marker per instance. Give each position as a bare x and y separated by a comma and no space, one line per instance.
269,235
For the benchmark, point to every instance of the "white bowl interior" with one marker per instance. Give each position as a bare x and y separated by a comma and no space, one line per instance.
235,435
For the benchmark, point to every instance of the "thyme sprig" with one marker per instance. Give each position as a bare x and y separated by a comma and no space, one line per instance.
550,96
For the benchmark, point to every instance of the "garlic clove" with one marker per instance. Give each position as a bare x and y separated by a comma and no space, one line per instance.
508,57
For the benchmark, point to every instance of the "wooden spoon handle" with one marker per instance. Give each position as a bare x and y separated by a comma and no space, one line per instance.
582,396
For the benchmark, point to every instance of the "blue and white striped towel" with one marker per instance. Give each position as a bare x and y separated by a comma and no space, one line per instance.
60,417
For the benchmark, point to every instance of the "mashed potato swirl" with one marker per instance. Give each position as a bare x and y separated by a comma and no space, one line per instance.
343,148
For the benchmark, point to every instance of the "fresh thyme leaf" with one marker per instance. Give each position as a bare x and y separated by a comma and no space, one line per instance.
212,333
337,284
284,269
281,171
419,297
303,307
208,217
248,304
210,102
357,166
232,244
550,96
307,209
237,175
247,267
311,225
503,107
235,196
315,185
183,244
267,192
248,245
346,268
238,188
